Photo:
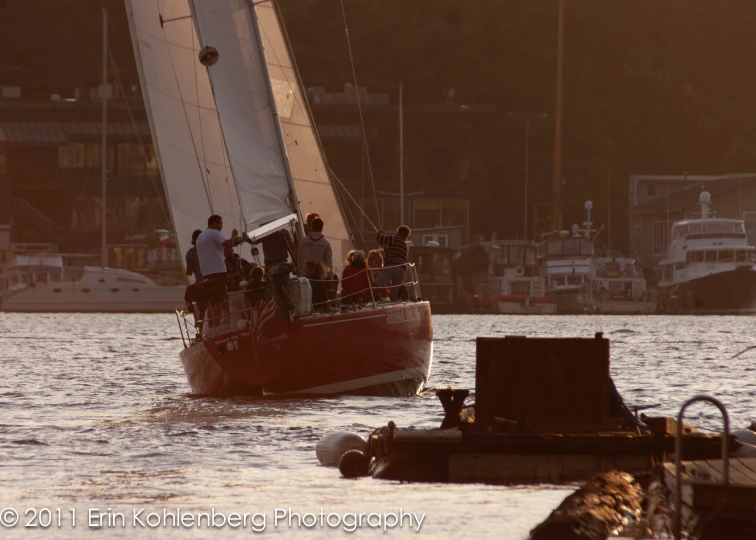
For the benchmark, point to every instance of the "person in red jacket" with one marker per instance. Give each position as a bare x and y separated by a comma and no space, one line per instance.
356,280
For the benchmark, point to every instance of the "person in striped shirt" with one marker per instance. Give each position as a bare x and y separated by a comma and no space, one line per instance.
395,259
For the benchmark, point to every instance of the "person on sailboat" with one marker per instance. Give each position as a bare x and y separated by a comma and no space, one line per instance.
277,247
192,261
210,252
237,271
255,286
397,252
315,247
308,222
356,280
316,273
375,263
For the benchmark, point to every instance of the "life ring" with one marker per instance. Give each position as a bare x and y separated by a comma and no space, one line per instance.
519,270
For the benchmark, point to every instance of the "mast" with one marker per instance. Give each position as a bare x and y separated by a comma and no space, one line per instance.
277,121
104,147
401,154
556,185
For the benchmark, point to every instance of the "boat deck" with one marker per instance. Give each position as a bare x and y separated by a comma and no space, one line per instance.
716,509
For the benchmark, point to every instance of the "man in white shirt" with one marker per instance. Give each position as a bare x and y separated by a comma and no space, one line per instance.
212,260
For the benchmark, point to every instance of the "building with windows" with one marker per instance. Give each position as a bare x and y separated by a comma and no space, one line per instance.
51,167
657,201
441,159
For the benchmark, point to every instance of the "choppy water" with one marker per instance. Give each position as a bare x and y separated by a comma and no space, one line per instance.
95,414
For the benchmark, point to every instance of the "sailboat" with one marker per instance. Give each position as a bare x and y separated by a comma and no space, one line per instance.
234,136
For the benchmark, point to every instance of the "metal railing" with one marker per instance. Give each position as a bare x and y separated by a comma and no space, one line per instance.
193,332
678,454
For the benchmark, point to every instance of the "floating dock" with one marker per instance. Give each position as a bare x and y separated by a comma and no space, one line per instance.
546,410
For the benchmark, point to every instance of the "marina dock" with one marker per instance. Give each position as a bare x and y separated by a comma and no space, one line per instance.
712,507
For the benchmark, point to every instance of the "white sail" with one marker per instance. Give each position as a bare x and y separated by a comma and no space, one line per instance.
245,109
248,117
183,119
311,178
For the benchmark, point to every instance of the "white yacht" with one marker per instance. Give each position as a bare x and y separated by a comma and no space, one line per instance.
42,283
514,284
566,264
616,285
709,267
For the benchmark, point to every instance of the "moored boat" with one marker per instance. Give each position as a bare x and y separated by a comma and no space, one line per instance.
616,286
43,283
514,285
709,268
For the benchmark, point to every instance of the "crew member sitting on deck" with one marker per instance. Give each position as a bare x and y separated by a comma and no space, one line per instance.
356,280
212,261
255,286
375,263
396,259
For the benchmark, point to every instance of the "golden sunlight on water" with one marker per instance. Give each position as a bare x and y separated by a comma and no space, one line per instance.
95,414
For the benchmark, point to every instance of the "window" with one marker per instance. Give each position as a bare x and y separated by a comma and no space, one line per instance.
661,237
651,190
454,212
132,160
442,239
72,156
520,287
426,213
87,156
636,241
517,255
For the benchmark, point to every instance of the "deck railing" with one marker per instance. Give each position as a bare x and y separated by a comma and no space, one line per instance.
235,308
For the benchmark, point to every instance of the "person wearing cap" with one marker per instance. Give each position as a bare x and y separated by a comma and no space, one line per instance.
356,280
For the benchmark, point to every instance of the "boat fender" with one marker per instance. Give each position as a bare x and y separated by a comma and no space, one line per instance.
354,464
332,446
747,439
519,270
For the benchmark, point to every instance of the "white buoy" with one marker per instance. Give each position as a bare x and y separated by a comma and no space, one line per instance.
747,439
332,446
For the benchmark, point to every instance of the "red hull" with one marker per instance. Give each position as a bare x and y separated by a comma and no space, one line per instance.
385,350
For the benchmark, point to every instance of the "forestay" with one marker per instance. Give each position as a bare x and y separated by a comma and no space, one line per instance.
183,119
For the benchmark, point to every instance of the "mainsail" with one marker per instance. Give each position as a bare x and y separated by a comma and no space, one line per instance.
248,116
184,122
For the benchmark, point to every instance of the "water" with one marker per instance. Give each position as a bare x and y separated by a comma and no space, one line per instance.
95,414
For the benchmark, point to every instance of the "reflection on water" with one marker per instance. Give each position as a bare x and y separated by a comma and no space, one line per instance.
95,412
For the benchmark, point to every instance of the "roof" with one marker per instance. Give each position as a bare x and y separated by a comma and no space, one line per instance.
688,196
63,132
699,178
